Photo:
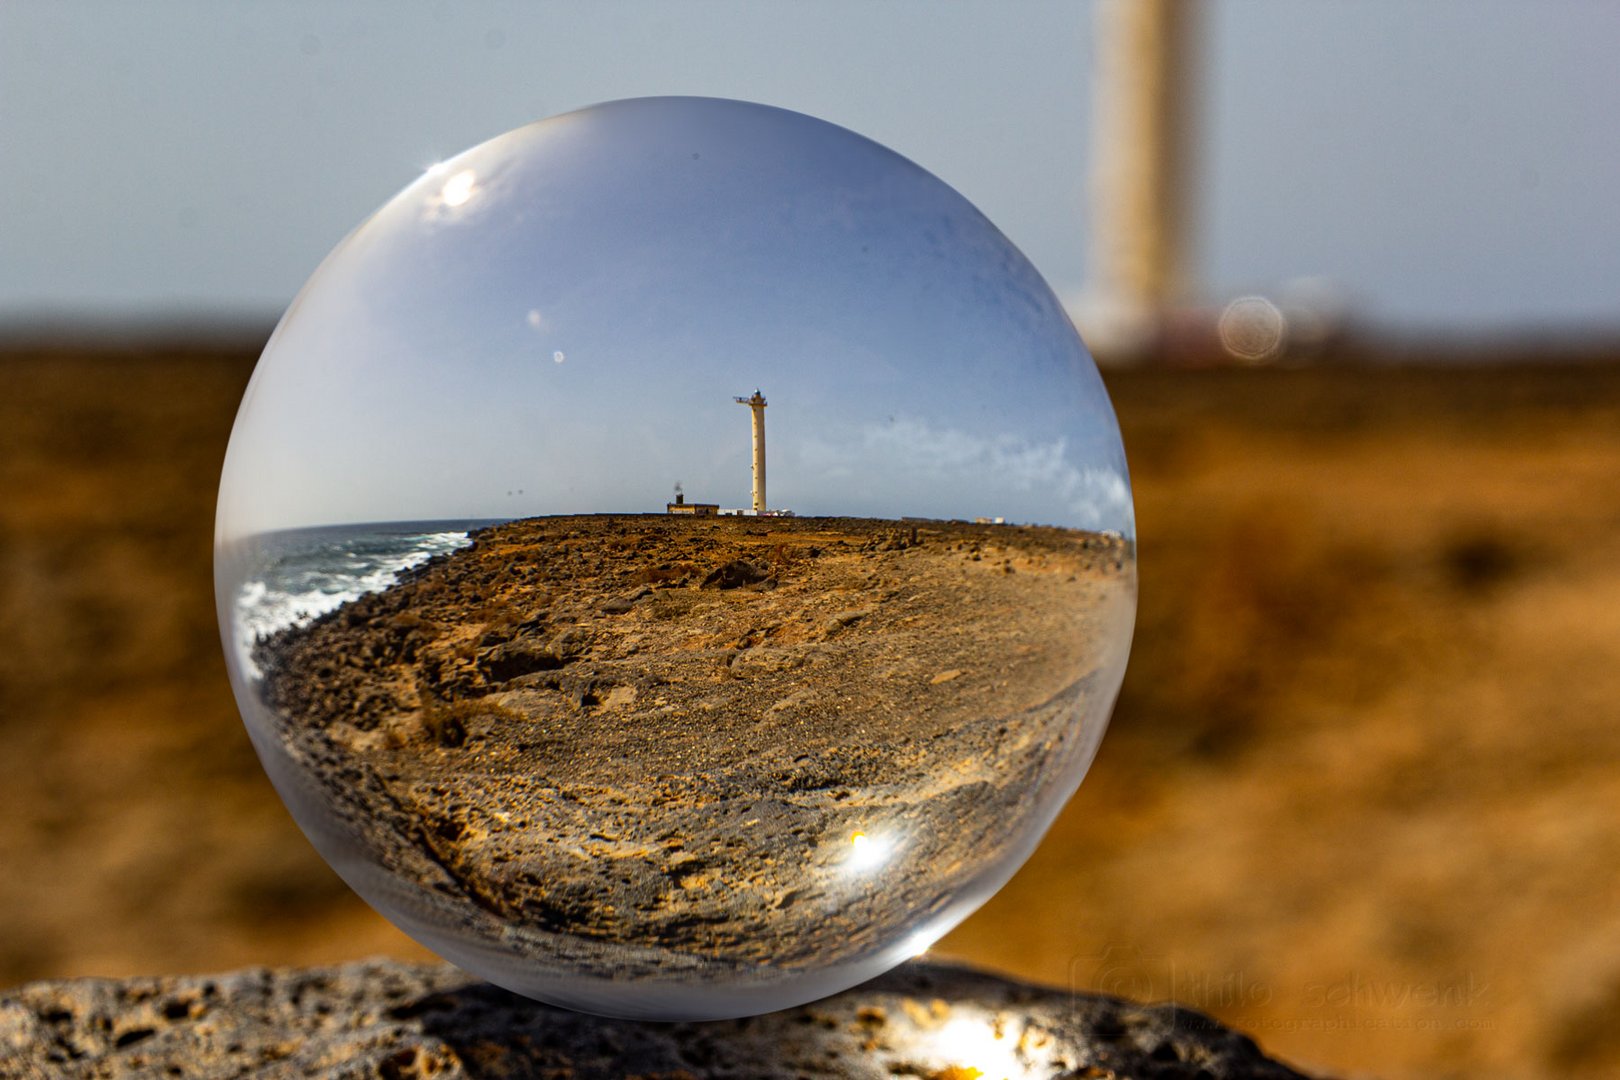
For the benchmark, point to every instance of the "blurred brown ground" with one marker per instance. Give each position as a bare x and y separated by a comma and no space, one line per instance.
1359,796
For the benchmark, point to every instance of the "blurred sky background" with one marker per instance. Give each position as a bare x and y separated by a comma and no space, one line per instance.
1451,165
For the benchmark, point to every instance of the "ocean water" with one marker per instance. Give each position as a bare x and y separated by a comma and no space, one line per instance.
291,578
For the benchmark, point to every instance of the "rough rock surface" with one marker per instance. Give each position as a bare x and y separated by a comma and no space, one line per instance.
646,743
391,1021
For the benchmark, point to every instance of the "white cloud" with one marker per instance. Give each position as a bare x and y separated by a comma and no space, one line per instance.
940,462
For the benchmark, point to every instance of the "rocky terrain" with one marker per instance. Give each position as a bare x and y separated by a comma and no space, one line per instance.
654,742
389,1021
1357,798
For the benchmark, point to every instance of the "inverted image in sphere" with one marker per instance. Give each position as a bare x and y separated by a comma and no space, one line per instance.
676,558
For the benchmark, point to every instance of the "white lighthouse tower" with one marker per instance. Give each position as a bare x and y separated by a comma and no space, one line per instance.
1143,146
757,403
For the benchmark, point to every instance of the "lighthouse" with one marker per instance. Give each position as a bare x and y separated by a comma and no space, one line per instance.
757,404
1142,158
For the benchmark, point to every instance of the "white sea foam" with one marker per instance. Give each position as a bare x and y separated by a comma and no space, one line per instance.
303,584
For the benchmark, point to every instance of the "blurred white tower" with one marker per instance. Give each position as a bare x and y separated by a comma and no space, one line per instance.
757,403
1141,157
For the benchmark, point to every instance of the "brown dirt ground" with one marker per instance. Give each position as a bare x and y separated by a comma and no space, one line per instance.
1359,795
697,716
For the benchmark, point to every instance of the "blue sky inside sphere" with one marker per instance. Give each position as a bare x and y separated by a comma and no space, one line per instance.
558,321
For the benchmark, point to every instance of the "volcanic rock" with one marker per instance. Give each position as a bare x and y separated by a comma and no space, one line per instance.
382,1020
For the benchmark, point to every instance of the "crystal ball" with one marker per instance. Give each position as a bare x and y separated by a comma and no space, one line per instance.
675,559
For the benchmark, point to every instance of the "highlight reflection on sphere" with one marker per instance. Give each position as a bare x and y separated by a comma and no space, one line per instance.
610,691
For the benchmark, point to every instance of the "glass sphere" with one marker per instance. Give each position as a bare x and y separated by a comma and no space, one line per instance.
547,670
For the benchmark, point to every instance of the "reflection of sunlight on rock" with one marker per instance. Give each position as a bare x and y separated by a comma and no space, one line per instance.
868,852
459,188
918,944
981,1046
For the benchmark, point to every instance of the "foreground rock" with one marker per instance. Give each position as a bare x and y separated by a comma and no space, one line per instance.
388,1020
